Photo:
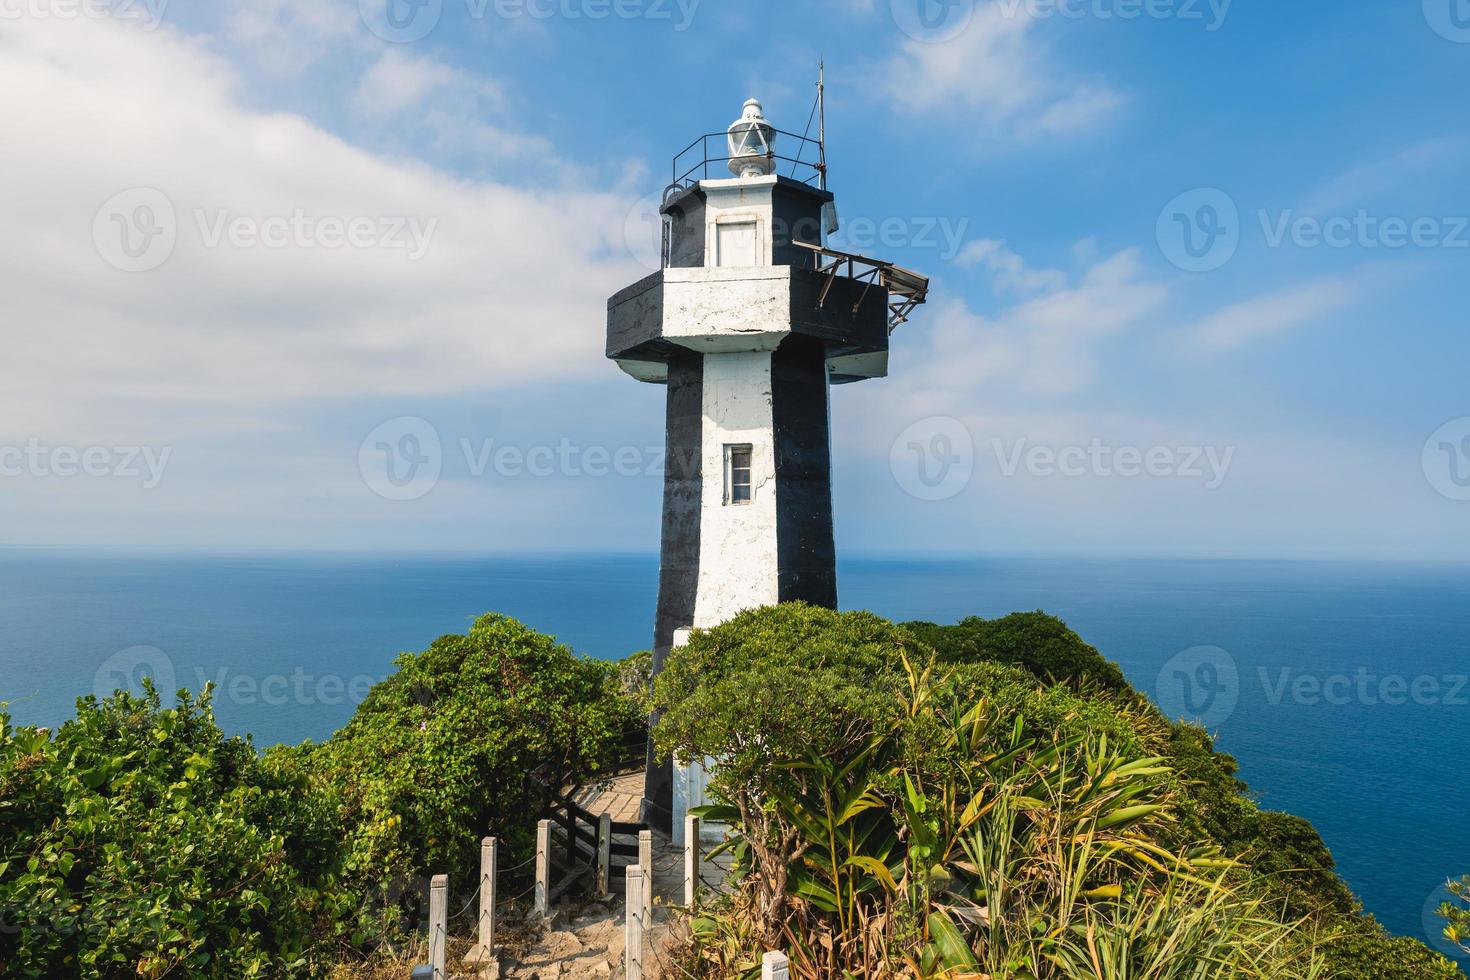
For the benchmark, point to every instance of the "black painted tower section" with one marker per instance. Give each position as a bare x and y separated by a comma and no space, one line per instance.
805,551
678,573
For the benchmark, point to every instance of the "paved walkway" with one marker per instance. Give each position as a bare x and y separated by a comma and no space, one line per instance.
620,798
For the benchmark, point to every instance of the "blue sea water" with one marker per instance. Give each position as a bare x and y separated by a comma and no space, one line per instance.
1340,687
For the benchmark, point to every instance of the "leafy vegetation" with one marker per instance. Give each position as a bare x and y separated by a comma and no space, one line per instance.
138,841
1456,914
989,800
462,741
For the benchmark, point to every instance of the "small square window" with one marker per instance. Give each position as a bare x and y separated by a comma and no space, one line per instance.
737,475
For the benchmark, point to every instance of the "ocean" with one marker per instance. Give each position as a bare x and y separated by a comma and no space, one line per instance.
1340,687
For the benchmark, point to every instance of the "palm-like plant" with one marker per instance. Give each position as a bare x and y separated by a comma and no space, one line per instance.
951,844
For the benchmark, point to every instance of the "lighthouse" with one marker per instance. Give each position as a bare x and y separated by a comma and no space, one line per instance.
749,321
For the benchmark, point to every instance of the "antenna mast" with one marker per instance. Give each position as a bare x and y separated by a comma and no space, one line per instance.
822,120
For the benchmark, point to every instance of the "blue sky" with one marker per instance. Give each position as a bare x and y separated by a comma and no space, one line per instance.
1296,384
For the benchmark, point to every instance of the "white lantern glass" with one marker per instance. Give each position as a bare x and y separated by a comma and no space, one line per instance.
752,143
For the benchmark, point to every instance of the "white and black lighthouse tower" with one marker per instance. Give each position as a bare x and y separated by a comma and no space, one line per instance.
747,324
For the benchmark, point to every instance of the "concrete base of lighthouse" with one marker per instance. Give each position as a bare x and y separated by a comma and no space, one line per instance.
721,557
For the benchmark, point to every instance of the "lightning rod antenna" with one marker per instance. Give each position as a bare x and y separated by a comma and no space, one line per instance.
822,119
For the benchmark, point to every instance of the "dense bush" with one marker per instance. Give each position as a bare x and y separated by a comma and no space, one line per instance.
460,742
1212,803
1042,644
138,841
840,754
763,692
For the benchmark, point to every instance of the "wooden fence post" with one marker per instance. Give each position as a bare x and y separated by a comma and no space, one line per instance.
543,867
775,966
633,925
604,854
691,859
645,864
489,861
438,924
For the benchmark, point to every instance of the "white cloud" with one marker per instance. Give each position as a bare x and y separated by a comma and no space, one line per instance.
396,82
1262,317
512,289
287,37
998,76
1047,343
1007,268
1362,184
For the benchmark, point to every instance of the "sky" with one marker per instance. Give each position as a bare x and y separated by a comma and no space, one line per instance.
332,275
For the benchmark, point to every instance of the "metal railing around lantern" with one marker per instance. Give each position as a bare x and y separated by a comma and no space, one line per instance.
809,165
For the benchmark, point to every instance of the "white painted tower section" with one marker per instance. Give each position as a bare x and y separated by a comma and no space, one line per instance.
740,538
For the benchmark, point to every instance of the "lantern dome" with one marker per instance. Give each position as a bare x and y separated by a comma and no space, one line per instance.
752,143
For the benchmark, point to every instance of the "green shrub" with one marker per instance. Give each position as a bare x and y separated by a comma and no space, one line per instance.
904,821
1042,644
462,742
140,842
1456,914
804,710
